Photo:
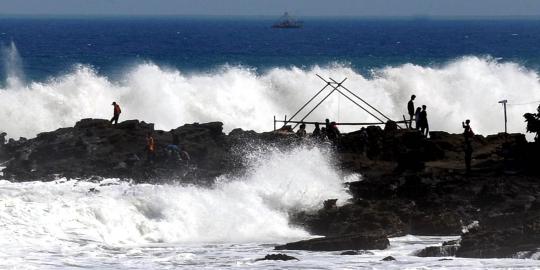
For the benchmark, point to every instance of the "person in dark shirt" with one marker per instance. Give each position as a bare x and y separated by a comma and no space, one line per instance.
316,132
424,126
301,133
410,109
417,118
468,135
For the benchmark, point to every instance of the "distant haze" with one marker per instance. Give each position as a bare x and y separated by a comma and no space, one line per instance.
274,7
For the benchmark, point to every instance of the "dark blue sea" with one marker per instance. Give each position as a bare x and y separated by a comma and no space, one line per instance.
49,45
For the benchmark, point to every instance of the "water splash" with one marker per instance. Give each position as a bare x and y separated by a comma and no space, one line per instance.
12,65
249,208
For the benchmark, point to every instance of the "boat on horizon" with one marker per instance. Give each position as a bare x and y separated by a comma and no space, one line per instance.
287,21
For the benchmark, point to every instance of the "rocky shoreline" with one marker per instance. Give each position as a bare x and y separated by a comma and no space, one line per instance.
410,185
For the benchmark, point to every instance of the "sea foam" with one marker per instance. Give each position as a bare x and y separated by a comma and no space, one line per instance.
253,207
466,88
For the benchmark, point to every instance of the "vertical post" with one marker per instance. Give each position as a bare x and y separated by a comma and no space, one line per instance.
503,102
406,124
274,123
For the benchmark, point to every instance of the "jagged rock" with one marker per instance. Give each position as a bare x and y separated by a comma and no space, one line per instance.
358,241
329,204
440,223
277,257
438,251
501,243
94,147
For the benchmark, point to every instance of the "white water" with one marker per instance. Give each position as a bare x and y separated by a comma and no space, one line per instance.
61,225
41,220
467,88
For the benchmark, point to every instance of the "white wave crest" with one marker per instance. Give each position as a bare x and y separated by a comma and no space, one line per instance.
467,88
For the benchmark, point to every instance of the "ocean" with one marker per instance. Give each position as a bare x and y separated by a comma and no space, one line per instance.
171,71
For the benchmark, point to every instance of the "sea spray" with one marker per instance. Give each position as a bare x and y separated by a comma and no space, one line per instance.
251,208
12,65
467,88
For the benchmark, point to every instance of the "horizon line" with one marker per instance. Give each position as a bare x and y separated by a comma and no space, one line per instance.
418,16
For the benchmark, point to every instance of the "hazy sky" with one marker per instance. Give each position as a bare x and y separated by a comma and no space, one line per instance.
274,7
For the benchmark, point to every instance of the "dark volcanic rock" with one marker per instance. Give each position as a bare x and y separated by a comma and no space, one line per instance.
410,184
344,242
388,258
504,243
438,251
277,257
440,223
94,147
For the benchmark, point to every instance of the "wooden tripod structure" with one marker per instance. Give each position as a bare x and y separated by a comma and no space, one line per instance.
338,87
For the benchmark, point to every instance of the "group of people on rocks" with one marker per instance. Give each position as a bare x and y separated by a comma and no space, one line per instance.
421,123
330,131
173,151
419,115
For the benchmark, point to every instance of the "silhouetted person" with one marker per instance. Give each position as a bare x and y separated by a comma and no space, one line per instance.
467,130
173,152
150,148
417,118
324,134
316,132
364,139
301,131
116,113
327,124
333,132
424,126
3,138
468,135
410,109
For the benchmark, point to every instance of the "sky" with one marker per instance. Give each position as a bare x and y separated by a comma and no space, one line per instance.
274,7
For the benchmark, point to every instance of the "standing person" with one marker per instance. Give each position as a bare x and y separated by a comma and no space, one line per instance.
327,124
302,131
410,109
116,113
424,126
333,133
150,148
317,131
417,118
468,134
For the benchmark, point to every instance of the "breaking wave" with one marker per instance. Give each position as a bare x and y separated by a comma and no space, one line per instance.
251,208
466,88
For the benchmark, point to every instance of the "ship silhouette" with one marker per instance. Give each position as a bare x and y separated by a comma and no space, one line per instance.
287,21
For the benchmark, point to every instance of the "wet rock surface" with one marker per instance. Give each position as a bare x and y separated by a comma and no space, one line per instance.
94,147
410,184
344,242
277,257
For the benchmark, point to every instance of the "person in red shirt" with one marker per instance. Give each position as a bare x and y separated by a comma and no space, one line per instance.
150,148
116,113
